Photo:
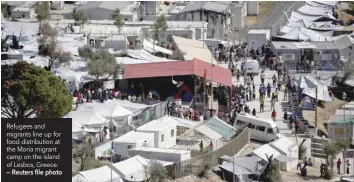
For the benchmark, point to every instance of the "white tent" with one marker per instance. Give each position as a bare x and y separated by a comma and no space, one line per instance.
132,169
144,55
309,84
191,49
148,46
77,131
102,174
136,108
303,34
111,110
90,120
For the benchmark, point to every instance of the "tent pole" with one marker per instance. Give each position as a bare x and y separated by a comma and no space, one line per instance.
316,113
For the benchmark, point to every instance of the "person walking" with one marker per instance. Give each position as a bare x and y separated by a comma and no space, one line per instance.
274,115
338,165
261,101
268,90
262,76
348,164
285,94
211,146
201,146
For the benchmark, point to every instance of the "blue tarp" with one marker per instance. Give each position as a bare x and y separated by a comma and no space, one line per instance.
307,103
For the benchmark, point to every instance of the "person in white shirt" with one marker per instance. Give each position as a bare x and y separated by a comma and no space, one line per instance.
130,98
263,76
134,98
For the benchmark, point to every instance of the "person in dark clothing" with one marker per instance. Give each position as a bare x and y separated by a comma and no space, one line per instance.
338,165
268,90
254,112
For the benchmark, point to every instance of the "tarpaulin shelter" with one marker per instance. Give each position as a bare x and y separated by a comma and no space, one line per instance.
308,85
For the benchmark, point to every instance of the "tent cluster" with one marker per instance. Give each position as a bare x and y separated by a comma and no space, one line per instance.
132,169
312,22
94,117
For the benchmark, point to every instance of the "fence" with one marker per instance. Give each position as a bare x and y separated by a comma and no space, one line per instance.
150,113
195,165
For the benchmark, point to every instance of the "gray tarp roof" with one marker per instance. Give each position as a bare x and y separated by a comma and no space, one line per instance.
245,165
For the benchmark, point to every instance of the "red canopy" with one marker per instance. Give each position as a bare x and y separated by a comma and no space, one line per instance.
178,68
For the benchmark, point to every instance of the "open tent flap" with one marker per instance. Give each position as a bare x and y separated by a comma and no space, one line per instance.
309,84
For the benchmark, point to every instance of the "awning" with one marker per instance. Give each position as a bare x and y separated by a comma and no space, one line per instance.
196,67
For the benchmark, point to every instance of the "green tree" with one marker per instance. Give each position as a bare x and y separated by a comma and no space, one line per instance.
85,52
43,12
4,11
332,149
118,19
102,63
351,7
30,91
271,173
49,47
160,26
79,17
156,172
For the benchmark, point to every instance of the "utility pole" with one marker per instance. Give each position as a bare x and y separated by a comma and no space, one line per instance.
211,82
204,91
316,113
203,22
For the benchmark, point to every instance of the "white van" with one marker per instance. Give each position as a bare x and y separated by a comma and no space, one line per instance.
251,67
260,129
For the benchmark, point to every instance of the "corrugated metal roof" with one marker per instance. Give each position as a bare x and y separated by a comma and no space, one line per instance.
110,5
324,45
258,31
343,42
283,45
22,9
298,45
175,68
219,7
177,9
117,38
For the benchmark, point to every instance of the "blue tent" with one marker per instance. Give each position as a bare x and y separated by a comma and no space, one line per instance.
188,96
127,91
307,103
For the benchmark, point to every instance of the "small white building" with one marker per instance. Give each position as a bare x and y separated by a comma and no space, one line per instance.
252,8
166,36
170,155
101,10
19,12
116,42
238,14
288,148
266,150
341,126
24,10
164,132
257,38
131,140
